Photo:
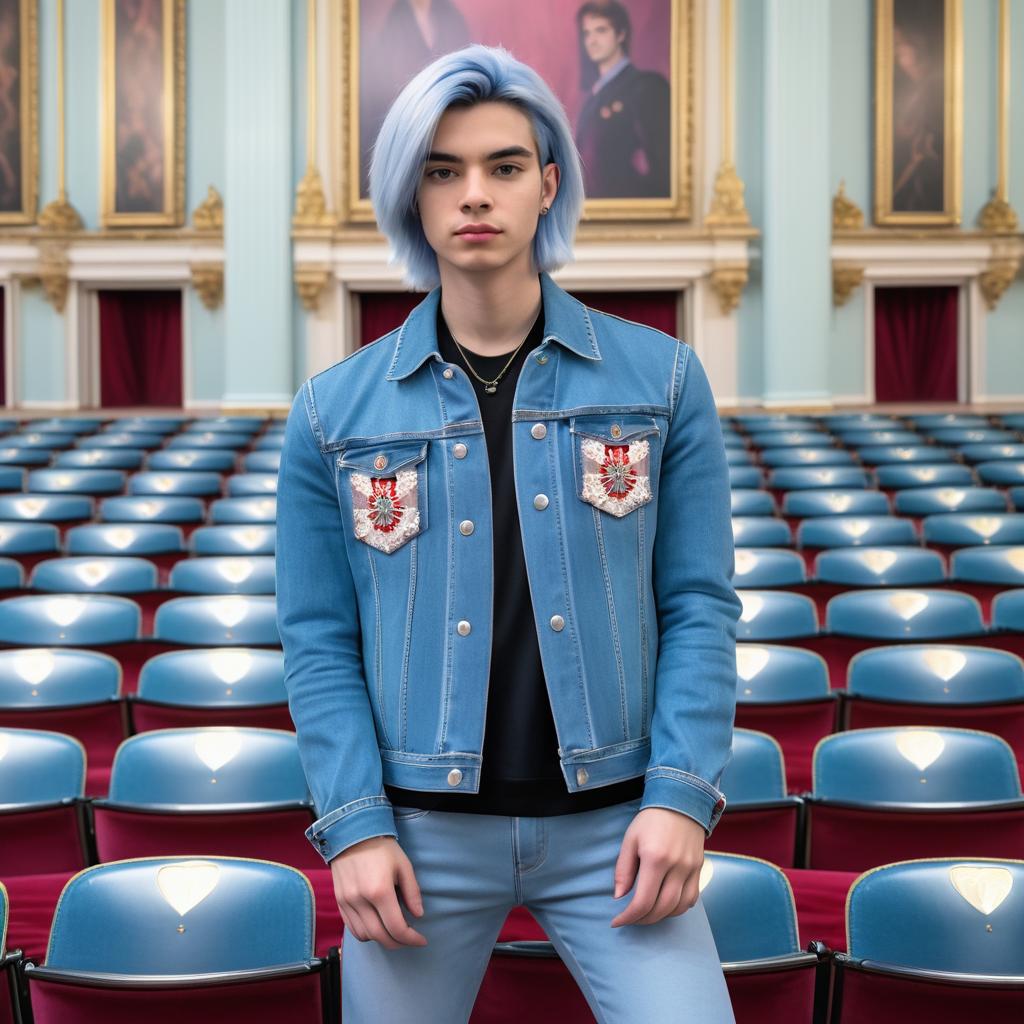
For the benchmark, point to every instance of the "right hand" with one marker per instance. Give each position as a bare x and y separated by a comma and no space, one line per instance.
365,879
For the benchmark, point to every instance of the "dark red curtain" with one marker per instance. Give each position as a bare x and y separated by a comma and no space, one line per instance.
140,348
915,344
381,312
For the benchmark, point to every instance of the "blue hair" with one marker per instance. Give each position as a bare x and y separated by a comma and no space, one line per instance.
474,74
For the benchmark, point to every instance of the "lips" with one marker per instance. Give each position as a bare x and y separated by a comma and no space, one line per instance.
478,230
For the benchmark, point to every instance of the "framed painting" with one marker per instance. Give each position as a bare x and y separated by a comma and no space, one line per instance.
621,68
143,134
918,112
19,112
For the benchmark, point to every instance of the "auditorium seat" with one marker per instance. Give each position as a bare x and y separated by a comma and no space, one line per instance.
131,508
760,818
752,502
765,439
269,442
948,530
163,543
897,477
879,567
215,620
833,502
167,482
224,425
42,785
261,462
938,684
66,690
1002,472
903,455
243,510
754,421
211,686
902,613
68,480
116,437
116,951
66,425
231,790
927,501
768,567
744,476
99,458
191,460
841,531
29,507
208,439
241,485
1008,611
991,452
29,438
1016,495
860,421
912,791
224,574
938,940
862,438
120,574
1011,420
970,435
21,456
802,478
761,532
775,615
785,692
938,420
233,540
12,575
806,457
151,424
68,620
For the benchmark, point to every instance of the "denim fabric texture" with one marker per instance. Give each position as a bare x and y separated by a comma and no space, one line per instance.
385,581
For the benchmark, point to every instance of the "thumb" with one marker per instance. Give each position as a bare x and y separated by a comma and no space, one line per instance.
625,866
409,887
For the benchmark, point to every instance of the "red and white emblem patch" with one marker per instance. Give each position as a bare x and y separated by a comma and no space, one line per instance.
386,509
616,477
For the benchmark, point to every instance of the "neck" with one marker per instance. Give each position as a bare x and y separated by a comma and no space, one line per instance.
490,313
610,62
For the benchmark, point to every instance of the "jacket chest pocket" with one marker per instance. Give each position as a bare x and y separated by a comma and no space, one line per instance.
387,486
612,455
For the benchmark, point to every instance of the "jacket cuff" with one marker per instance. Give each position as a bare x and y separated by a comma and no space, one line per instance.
351,824
688,794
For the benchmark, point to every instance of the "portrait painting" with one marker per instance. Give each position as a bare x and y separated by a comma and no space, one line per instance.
143,112
620,68
918,127
19,136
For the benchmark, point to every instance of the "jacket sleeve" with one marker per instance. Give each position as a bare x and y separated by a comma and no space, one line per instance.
318,619
697,607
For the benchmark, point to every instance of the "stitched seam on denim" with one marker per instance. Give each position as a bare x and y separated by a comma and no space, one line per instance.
311,414
570,615
663,772
514,826
403,698
589,410
363,803
378,644
647,328
613,623
641,594
678,372
542,846
449,618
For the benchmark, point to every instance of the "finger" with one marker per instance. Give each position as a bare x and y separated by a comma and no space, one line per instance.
648,886
354,923
394,921
409,887
689,896
625,866
668,900
375,928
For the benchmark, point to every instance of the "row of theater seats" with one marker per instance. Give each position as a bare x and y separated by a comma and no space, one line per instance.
928,783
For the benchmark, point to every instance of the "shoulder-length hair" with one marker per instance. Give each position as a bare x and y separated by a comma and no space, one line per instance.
474,74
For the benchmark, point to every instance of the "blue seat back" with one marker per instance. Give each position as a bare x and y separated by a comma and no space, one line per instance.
768,567
68,480
192,460
261,462
752,502
1008,611
69,619
12,575
245,484
223,677
209,765
903,454
902,613
122,439
775,673
28,538
224,574
936,674
152,509
802,478
1002,564
756,771
127,917
169,482
841,531
1001,471
761,532
880,567
45,508
991,452
835,503
82,574
927,501
940,914
925,474
221,439
230,619
99,458
253,539
807,457
38,677
775,615
974,528
244,510
915,765
225,425
38,767
124,539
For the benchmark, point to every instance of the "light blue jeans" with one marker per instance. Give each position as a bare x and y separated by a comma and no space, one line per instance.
473,868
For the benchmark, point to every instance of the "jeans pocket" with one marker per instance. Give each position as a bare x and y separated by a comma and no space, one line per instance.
402,813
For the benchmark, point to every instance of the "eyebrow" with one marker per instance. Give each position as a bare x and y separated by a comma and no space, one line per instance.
499,154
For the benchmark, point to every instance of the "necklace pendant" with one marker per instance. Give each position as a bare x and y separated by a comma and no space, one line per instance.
490,388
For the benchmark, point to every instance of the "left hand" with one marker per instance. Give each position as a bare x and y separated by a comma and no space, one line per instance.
668,847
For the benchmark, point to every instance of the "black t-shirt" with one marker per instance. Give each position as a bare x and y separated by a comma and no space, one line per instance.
520,772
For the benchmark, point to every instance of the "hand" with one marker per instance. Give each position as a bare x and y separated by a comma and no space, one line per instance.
670,849
365,876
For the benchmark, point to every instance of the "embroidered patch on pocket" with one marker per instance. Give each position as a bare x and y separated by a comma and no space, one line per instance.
616,477
386,509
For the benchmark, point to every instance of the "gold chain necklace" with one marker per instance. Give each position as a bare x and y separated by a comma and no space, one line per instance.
490,386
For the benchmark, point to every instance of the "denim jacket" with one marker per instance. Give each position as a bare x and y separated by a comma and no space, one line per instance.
385,586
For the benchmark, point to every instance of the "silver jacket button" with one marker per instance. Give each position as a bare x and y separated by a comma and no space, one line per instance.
463,627
448,373
557,623
466,527
454,776
540,502
459,451
581,776
538,430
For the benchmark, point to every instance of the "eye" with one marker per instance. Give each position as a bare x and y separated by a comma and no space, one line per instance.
509,168
440,173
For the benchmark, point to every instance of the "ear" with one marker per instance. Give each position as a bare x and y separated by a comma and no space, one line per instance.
549,184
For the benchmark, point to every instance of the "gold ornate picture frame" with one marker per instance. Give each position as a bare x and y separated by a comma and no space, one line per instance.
143,114
918,112
19,95
357,30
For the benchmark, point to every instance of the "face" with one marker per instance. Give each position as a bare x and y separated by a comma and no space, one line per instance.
600,39
483,189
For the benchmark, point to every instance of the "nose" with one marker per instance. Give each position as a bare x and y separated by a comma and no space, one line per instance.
475,194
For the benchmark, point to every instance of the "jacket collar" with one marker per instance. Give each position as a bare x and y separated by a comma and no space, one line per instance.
566,321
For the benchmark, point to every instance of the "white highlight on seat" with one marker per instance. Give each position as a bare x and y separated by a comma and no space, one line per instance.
838,502
855,527
750,660
185,885
944,663
985,526
925,474
985,888
34,665
163,483
707,872
230,666
908,603
120,536
951,497
1015,556
30,507
230,610
215,749
921,747
752,605
746,562
235,570
251,537
5,744
93,573
64,610
878,560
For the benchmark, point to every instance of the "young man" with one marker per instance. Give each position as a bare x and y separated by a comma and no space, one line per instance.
508,518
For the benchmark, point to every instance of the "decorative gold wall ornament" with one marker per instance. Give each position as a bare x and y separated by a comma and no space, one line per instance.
311,203
209,214
997,277
727,206
728,282
844,279
52,274
60,216
998,217
310,283
846,214
208,281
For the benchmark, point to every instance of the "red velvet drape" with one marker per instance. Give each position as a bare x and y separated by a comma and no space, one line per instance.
915,344
140,348
381,312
